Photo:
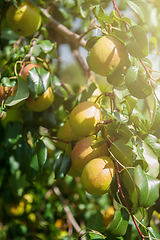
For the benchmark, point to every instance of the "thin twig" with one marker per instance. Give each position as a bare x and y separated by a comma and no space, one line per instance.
126,203
117,10
146,69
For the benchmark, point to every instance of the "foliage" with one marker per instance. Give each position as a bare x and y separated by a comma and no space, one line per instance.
31,161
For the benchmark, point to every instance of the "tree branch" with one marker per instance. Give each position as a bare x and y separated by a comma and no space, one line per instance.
67,210
74,37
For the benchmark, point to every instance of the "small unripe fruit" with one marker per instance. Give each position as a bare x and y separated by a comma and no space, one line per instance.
106,55
82,152
97,175
84,118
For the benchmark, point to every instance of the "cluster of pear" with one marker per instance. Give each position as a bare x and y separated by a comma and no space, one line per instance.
90,158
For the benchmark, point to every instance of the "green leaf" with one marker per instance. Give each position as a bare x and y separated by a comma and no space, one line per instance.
45,45
137,44
122,152
154,143
151,158
140,7
156,115
92,236
103,17
91,41
87,93
95,221
130,103
13,134
61,165
17,183
153,234
119,224
136,83
34,162
116,78
85,9
6,82
21,94
128,188
148,187
157,89
117,130
38,81
41,151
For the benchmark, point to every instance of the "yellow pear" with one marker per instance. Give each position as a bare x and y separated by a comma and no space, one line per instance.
97,175
84,118
106,55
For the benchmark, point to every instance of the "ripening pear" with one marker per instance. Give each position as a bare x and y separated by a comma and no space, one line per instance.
97,175
83,152
106,55
84,118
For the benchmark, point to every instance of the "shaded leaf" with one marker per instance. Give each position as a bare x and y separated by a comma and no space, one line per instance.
122,152
91,41
148,187
95,221
61,165
116,78
137,44
128,187
87,93
13,134
156,116
119,224
136,83
130,103
41,151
